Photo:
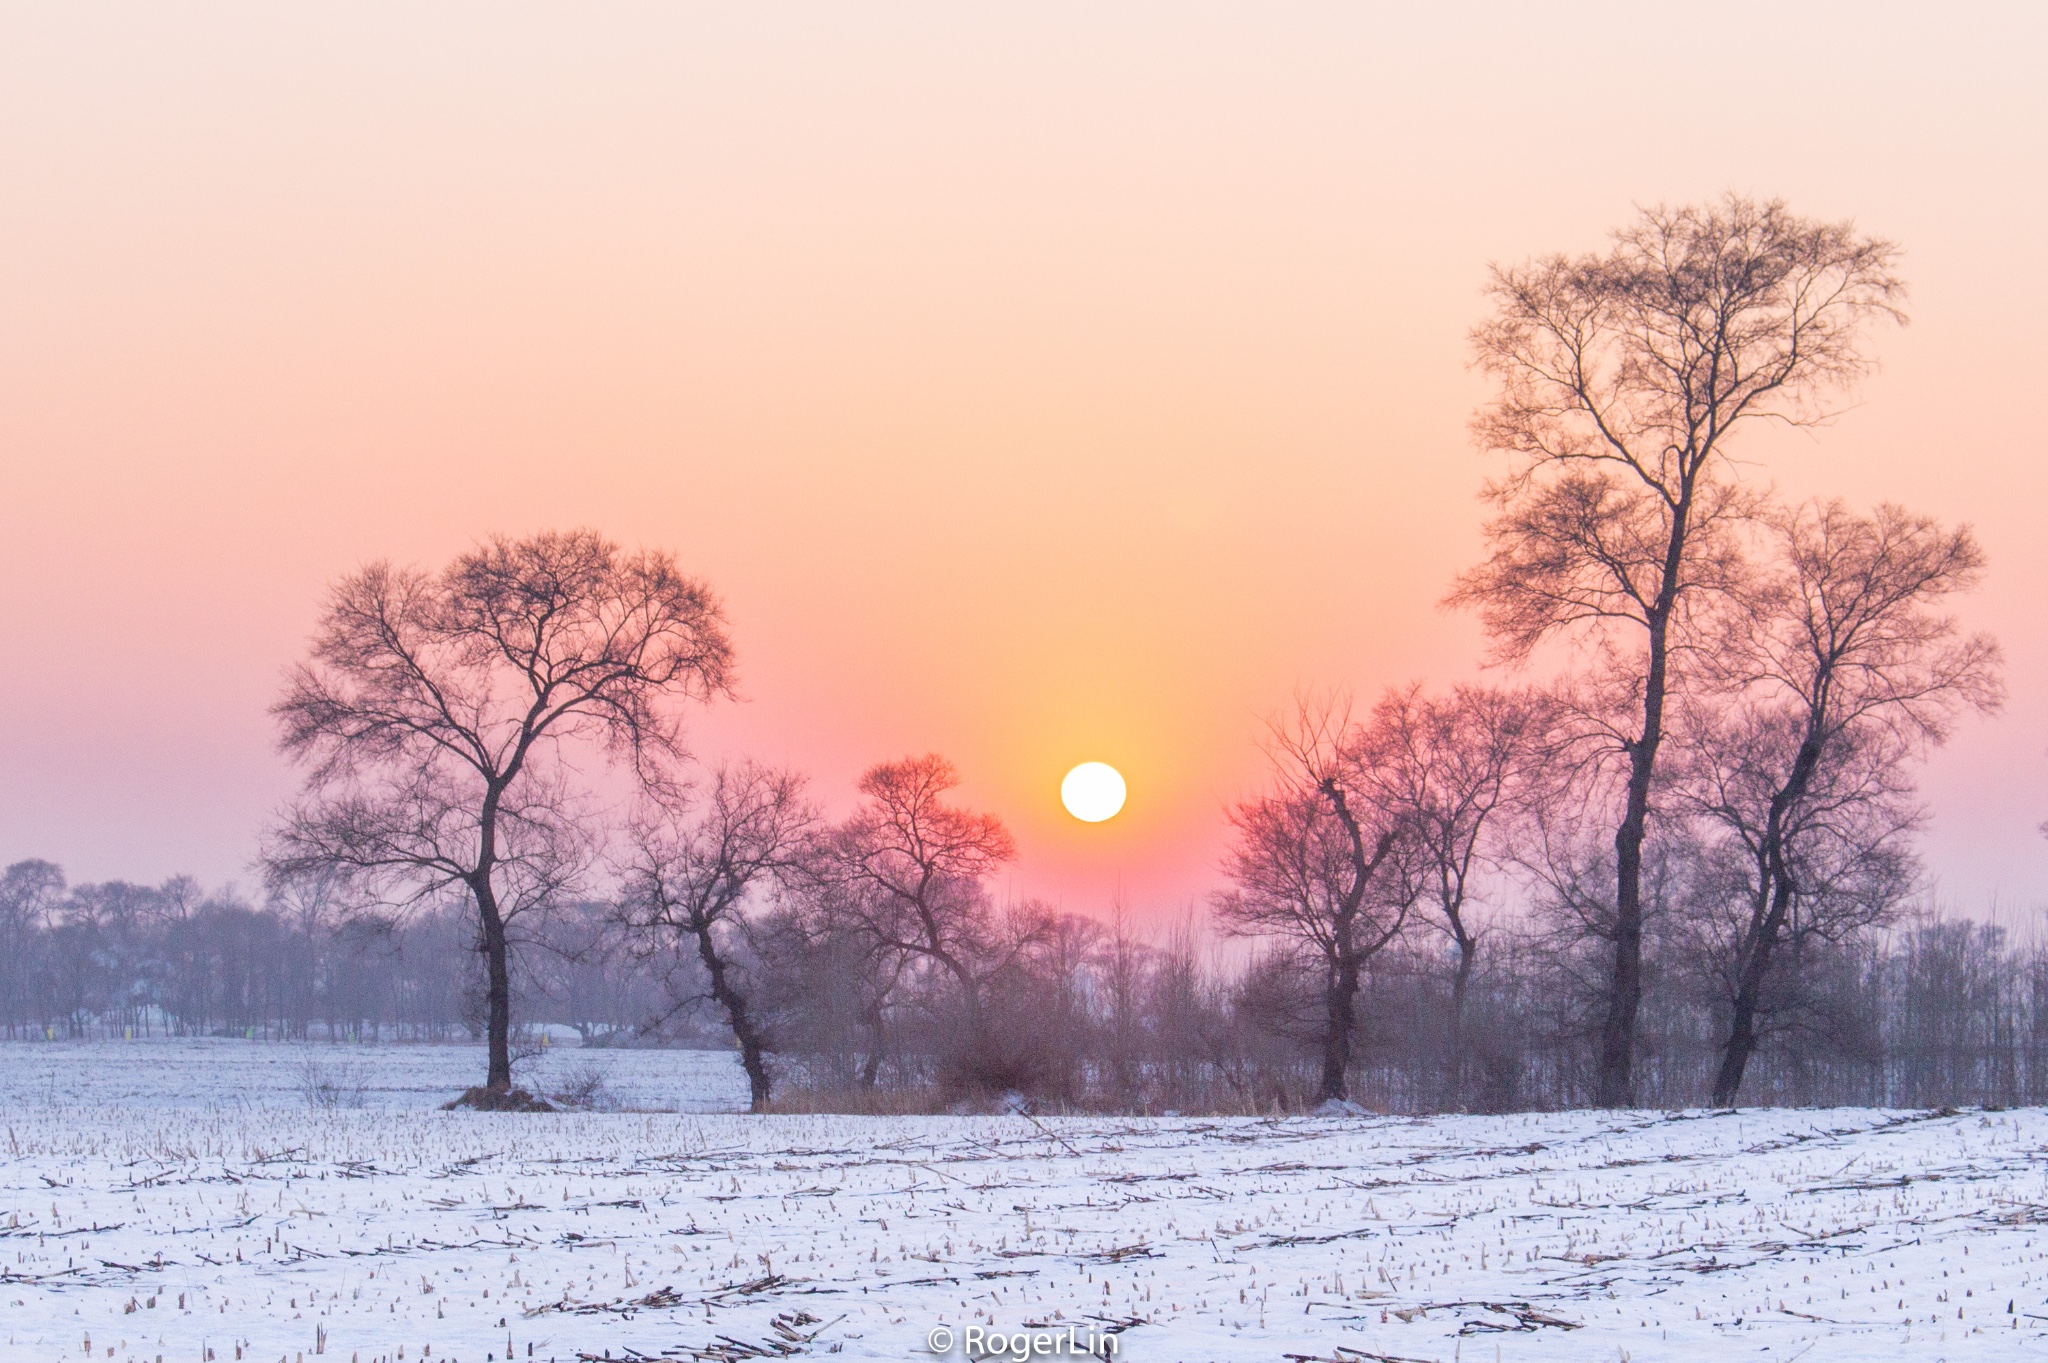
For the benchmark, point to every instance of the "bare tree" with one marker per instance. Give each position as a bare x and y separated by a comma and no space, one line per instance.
1457,768
913,866
1846,847
433,714
1623,380
1038,1003
1122,968
29,895
1310,865
698,872
306,906
1842,668
836,985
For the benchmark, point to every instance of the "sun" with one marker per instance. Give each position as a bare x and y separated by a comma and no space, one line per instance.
1093,791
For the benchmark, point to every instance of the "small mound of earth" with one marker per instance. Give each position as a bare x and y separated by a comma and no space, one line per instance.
499,1100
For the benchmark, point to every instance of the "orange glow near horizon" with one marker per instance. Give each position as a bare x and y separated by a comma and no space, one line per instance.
1033,385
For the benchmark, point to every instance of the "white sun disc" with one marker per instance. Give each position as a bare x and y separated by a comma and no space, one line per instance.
1093,791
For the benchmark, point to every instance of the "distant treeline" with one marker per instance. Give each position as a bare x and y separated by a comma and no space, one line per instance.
117,959
1077,1013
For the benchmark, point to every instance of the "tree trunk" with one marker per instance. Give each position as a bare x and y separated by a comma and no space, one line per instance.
498,989
1341,1013
1735,1055
1762,940
1749,990
1615,1078
1461,980
497,970
753,1057
978,1041
871,1063
1345,950
1753,962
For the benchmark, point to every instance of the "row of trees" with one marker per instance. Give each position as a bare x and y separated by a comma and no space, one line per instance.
1087,1013
118,959
1718,757
1784,792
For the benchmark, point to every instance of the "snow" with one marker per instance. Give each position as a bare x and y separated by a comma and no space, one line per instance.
210,1072
186,1209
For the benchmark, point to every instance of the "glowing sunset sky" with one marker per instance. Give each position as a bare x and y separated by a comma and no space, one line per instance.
1037,383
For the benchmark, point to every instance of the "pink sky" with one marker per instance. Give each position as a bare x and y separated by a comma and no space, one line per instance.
1037,383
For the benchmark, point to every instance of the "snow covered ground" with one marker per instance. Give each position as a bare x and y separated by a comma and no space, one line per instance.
208,1072
183,1217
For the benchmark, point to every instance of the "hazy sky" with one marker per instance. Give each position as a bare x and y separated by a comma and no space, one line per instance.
1036,382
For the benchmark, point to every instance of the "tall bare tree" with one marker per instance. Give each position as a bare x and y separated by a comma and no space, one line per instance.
1841,667
698,871
1624,380
435,710
911,871
1312,865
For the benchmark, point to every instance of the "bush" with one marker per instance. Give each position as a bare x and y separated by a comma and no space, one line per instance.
328,1085
585,1089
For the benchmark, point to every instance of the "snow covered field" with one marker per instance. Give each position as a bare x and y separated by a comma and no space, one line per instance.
186,1215
208,1072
